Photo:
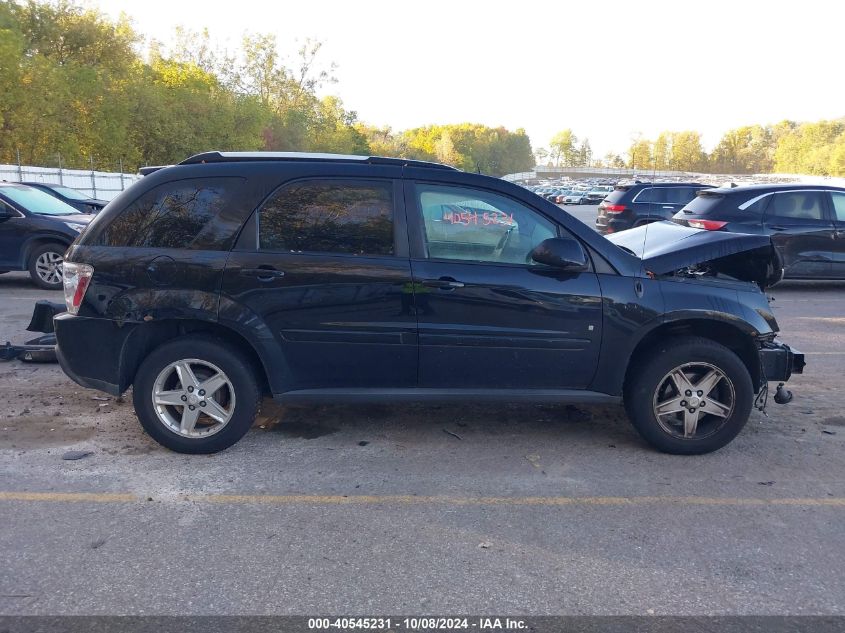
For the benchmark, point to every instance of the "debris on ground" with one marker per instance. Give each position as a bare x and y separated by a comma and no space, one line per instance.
74,455
452,434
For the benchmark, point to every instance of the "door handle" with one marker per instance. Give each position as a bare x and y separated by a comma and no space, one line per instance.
444,283
267,273
777,227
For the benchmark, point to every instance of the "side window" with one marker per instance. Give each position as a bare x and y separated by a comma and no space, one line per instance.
757,207
678,195
838,205
687,194
650,194
329,216
177,214
797,205
468,224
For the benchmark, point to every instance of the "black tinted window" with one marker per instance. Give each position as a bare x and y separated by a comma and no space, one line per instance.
703,204
353,217
176,214
650,194
616,195
799,205
758,206
678,195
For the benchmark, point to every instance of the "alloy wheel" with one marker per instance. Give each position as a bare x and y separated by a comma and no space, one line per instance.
193,398
694,400
48,267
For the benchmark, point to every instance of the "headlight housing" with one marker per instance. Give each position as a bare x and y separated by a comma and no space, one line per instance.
73,226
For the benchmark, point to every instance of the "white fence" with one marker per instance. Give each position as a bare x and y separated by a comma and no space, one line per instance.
97,184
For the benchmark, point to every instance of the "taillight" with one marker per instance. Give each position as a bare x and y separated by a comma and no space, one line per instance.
615,208
76,278
710,225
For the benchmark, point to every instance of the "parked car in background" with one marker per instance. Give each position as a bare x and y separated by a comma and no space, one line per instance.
575,197
805,222
630,205
597,194
35,231
359,278
77,199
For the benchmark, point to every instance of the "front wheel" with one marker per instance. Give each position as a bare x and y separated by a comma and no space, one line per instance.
45,266
197,394
689,396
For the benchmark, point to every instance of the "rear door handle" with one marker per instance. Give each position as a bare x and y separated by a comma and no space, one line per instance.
263,274
444,283
777,227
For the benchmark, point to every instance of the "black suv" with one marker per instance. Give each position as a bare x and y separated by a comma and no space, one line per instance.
209,284
631,205
78,200
35,231
806,223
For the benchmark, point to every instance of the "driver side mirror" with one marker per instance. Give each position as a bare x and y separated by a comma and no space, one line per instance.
565,253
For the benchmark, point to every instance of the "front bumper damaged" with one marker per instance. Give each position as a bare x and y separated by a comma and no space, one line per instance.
779,361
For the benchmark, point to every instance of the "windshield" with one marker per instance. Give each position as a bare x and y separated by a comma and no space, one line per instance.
36,201
69,193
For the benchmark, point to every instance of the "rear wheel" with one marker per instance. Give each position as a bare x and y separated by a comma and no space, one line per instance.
197,394
690,396
45,266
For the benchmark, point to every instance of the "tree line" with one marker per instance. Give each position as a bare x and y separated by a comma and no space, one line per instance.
77,88
788,147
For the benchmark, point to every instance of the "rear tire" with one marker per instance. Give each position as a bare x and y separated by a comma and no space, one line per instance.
45,266
178,413
663,413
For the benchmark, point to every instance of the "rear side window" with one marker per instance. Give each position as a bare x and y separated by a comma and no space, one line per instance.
177,214
679,195
329,216
797,205
650,194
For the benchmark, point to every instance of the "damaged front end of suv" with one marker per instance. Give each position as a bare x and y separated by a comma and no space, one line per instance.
744,264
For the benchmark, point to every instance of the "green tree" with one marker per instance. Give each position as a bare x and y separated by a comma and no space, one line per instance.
563,146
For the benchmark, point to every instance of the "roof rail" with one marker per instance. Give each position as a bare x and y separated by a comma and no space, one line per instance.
146,171
227,157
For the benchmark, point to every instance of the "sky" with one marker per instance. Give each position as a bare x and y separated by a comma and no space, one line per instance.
608,70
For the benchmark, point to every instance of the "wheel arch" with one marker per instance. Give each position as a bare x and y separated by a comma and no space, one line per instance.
146,337
37,241
739,340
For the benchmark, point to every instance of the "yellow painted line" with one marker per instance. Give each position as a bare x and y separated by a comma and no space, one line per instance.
410,500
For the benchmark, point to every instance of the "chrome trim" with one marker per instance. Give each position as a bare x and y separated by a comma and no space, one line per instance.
748,203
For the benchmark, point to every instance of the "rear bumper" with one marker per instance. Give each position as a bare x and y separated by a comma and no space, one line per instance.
612,224
779,361
90,351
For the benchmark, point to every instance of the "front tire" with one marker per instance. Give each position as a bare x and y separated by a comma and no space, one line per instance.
45,266
689,396
197,394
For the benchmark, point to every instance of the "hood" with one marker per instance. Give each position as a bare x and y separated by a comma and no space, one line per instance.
81,218
666,247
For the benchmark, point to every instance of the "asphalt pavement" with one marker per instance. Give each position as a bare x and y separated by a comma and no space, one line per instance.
375,509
